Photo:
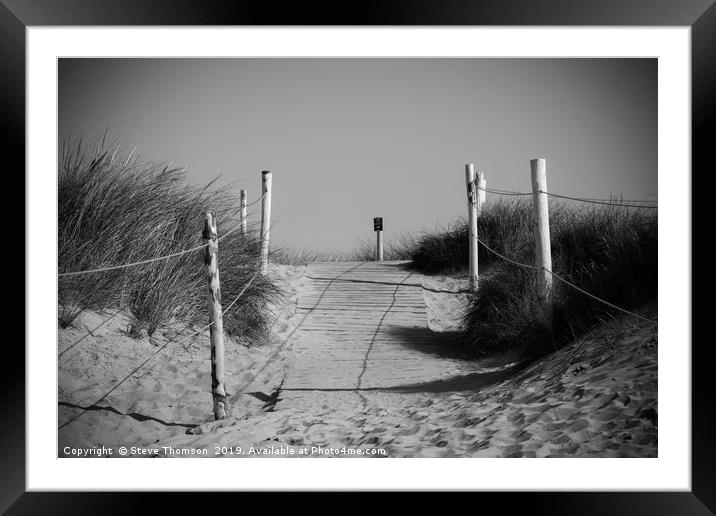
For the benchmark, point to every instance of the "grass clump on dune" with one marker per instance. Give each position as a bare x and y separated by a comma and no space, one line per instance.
291,256
116,208
608,251
400,247
395,247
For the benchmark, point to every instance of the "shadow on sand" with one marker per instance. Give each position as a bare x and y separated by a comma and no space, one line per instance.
445,345
433,343
133,415
471,382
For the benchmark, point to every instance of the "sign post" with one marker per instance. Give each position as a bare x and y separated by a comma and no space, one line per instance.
378,228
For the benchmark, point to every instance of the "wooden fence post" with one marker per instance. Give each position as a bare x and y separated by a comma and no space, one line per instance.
472,222
216,329
265,219
543,250
481,183
244,198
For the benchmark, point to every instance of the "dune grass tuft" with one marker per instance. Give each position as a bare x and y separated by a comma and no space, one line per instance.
398,247
116,208
608,251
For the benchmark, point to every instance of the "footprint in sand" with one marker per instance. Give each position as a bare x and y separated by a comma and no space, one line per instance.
410,431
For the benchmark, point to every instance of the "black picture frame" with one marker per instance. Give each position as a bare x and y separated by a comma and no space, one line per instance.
700,15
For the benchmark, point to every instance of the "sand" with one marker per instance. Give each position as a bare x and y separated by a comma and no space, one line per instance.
594,398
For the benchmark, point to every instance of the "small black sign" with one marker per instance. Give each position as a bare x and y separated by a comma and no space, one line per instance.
378,224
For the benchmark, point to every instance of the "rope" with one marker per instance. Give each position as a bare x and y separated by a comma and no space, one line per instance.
643,201
151,260
501,192
600,201
568,283
519,264
151,357
239,208
114,267
630,203
118,311
241,293
598,298
131,374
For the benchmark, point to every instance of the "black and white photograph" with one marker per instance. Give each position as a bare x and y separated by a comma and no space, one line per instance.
417,232
357,257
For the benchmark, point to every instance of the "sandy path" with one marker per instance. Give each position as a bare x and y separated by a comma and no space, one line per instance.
364,325
596,397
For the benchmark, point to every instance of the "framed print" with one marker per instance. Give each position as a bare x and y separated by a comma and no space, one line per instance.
429,234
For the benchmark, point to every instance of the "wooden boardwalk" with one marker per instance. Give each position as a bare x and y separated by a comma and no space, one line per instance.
363,325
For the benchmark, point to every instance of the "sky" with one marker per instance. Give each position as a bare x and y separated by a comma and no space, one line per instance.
351,139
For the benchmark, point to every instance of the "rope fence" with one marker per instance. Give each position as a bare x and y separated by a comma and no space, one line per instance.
631,203
133,264
157,259
543,254
513,262
566,282
601,201
216,312
156,353
249,205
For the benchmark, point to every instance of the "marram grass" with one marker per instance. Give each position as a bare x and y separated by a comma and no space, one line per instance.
116,208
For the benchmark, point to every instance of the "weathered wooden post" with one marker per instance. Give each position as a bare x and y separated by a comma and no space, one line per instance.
481,183
472,222
378,228
543,250
244,198
216,329
265,219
